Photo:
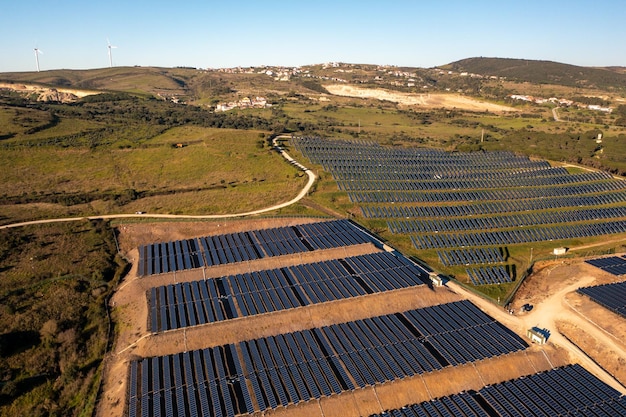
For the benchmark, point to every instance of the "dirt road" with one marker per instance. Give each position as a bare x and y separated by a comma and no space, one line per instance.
545,315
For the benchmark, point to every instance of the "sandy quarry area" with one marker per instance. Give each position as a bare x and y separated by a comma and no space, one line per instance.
67,94
553,284
429,100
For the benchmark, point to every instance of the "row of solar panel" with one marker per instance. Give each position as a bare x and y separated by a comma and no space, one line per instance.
332,149
471,256
190,304
510,237
379,166
199,302
490,275
611,296
378,262
286,369
493,207
234,247
451,328
307,364
507,221
375,183
456,405
614,265
484,195
391,344
332,234
192,383
566,391
373,354
342,152
403,175
238,247
169,256
563,391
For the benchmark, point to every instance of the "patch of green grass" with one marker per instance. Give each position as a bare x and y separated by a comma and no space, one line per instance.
217,170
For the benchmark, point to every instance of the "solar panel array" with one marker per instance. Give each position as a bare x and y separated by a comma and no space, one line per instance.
208,382
185,254
492,207
466,200
489,275
611,296
615,265
567,391
515,236
471,256
166,257
381,196
496,222
199,302
462,333
404,182
456,405
288,368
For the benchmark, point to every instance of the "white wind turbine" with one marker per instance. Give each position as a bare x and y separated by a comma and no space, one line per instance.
37,52
109,46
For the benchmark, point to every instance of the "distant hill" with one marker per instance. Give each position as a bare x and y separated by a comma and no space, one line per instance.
208,87
131,79
543,72
187,84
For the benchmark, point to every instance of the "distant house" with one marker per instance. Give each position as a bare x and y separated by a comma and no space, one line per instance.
244,103
599,108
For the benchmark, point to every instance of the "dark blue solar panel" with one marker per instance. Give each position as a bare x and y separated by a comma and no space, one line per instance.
611,296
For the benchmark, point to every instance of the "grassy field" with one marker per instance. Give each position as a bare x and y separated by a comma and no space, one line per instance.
54,283
216,171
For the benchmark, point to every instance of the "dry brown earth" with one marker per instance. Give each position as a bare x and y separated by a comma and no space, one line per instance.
64,95
428,100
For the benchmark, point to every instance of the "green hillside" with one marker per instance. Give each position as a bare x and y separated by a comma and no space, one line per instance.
130,79
542,72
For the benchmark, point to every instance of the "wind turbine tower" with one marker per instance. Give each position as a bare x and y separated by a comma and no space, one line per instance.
37,52
109,46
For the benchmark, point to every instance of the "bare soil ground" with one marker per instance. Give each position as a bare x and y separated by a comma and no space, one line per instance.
593,329
44,91
133,339
435,100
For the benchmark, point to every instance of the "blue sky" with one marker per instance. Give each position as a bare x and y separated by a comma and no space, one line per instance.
216,34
